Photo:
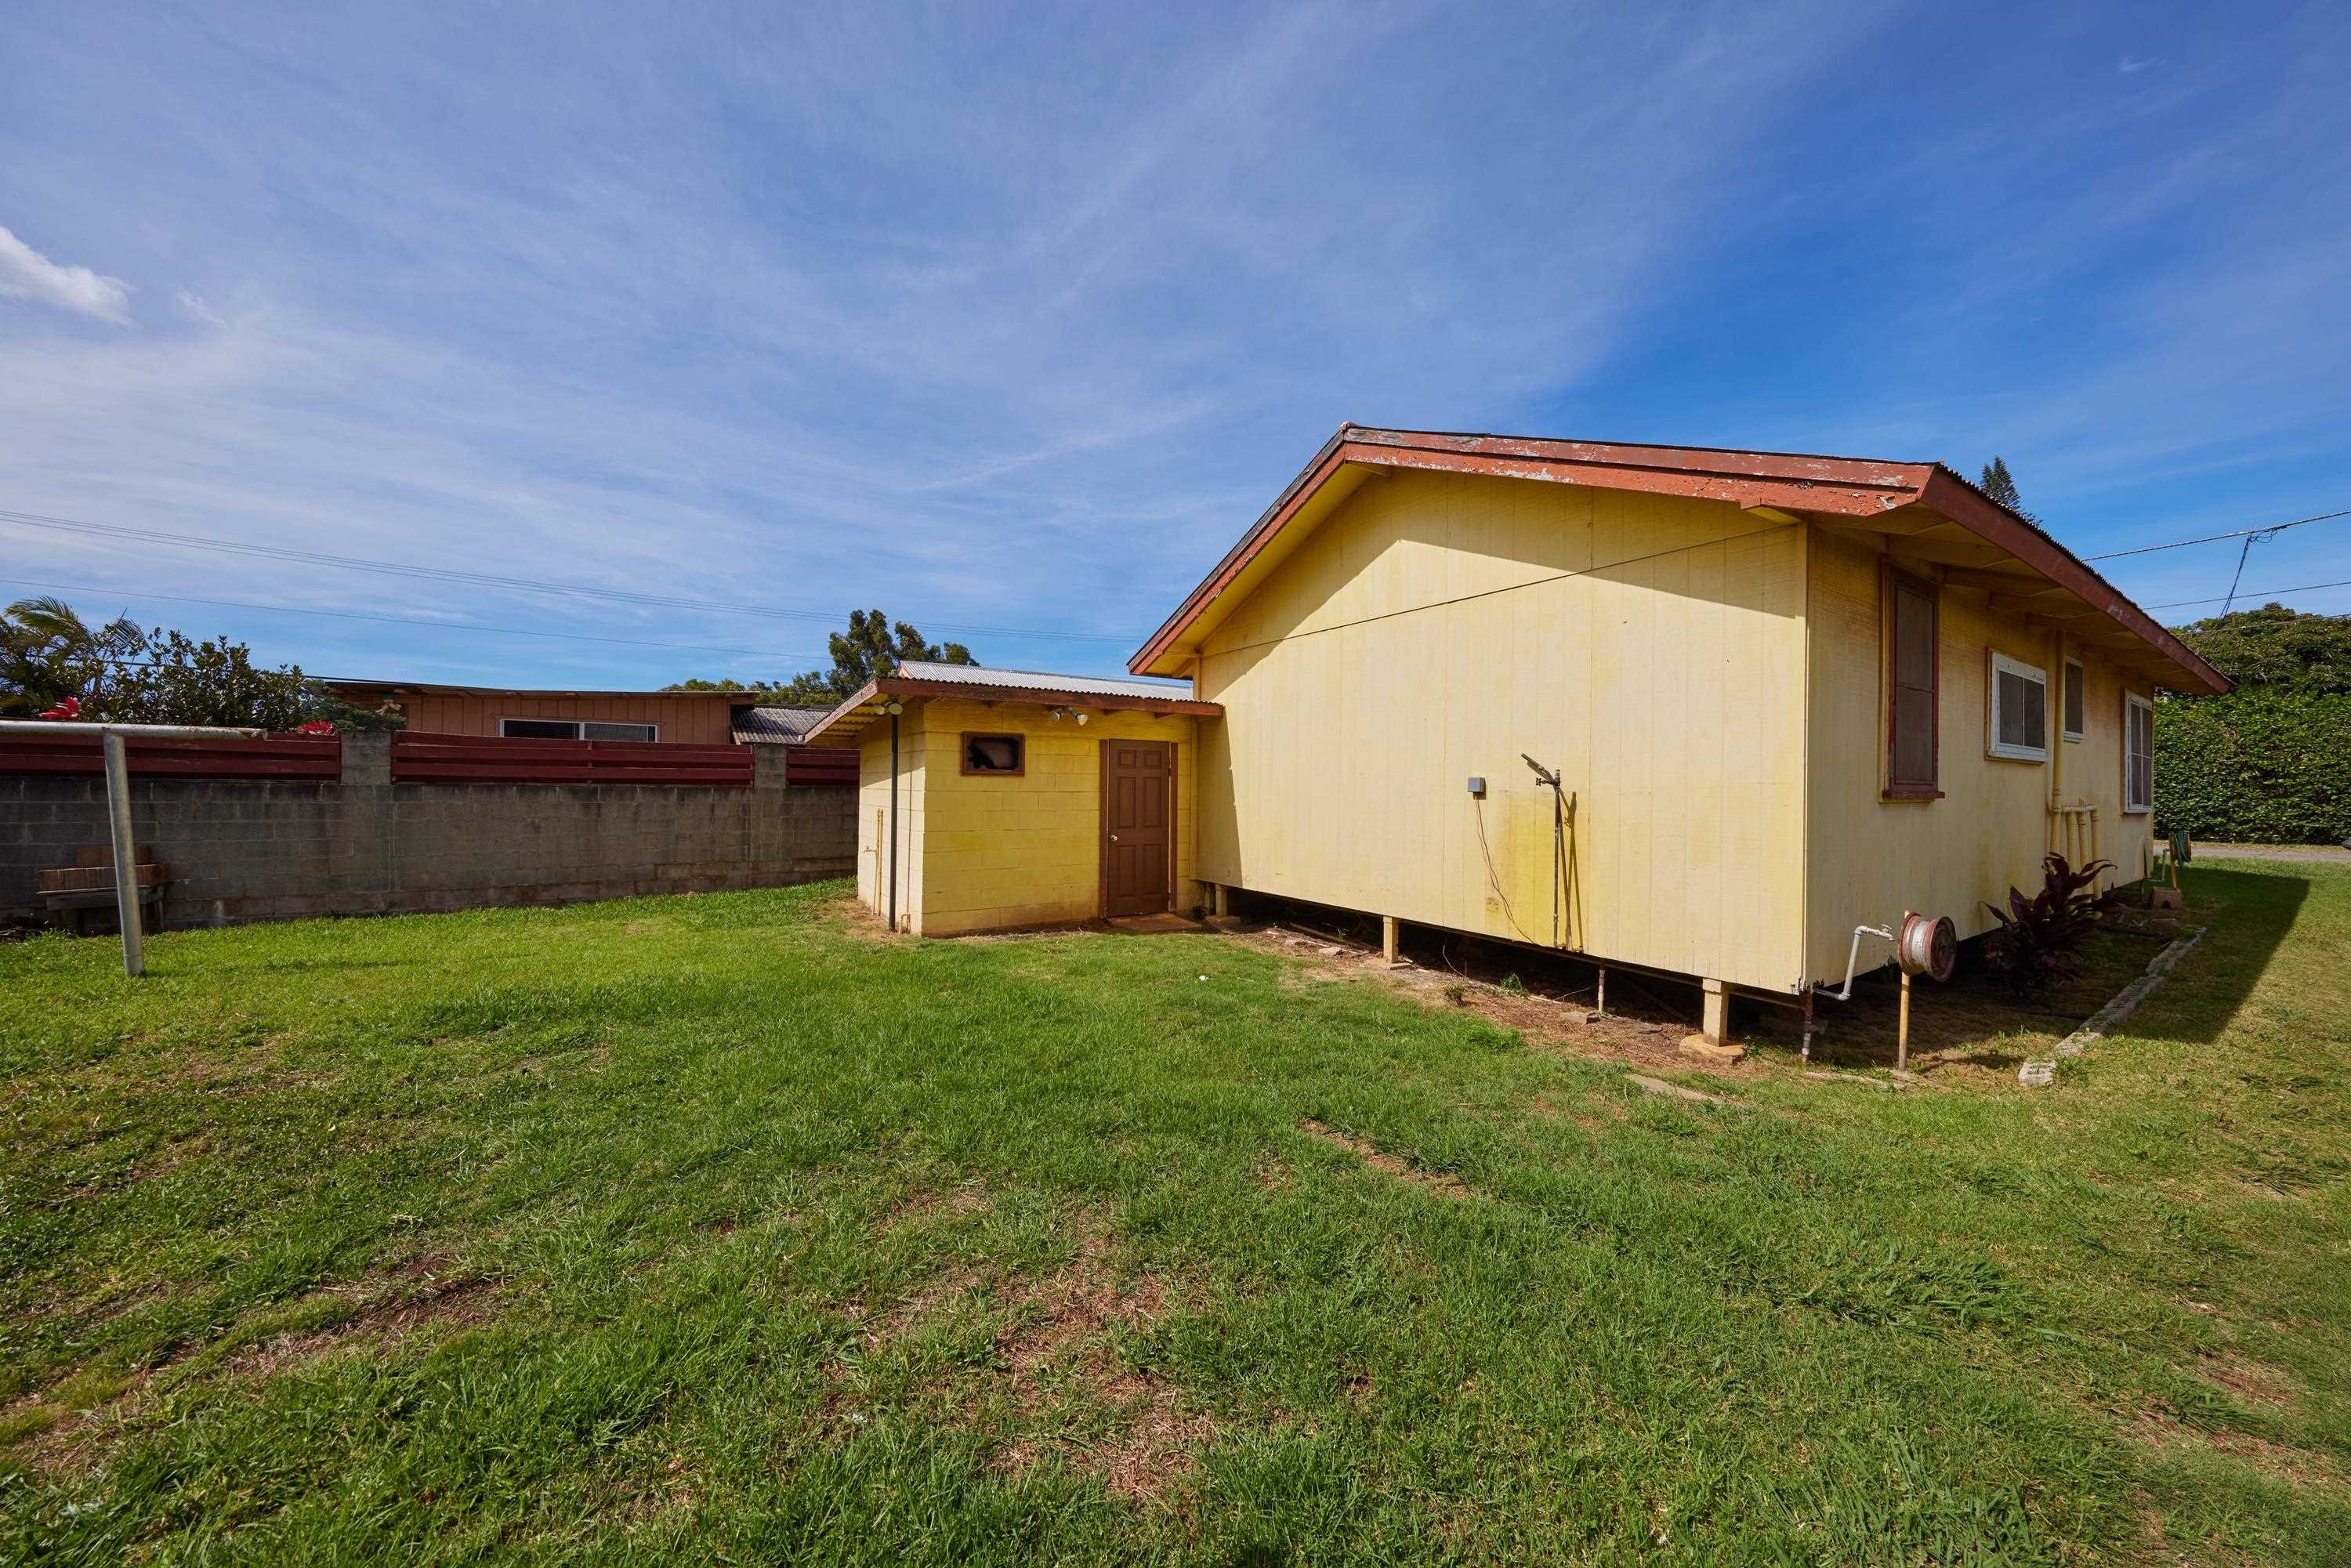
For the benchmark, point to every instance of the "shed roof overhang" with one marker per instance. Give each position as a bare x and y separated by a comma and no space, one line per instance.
870,702
1922,512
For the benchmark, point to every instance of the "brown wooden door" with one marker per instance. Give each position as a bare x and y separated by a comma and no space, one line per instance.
1138,826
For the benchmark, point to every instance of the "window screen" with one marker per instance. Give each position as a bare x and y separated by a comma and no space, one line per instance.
539,729
2074,682
594,731
1911,661
2020,710
2138,754
992,754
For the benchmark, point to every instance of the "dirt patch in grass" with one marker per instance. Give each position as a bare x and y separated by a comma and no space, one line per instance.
2300,1466
1062,1341
1437,1182
1639,1028
377,1311
2251,1381
422,1298
1073,1396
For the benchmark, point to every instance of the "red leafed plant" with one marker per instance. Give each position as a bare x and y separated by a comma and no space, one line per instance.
316,727
2040,938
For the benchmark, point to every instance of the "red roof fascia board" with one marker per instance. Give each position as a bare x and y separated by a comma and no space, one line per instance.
1955,499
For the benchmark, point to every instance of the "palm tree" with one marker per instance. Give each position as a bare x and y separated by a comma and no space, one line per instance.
48,652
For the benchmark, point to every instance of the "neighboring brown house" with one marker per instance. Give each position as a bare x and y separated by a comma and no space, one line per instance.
674,718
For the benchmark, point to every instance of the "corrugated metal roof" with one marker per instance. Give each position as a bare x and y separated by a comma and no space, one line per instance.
920,679
1040,681
776,725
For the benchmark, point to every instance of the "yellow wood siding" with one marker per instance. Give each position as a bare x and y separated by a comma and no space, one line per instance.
1650,648
982,852
1871,859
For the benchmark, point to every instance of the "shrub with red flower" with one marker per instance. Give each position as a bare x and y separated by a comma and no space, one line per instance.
317,726
69,709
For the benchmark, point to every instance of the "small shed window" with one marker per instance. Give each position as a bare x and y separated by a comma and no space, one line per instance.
592,730
2020,710
2076,680
1911,678
2138,753
994,753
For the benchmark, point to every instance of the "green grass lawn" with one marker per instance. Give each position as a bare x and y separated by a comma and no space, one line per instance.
718,1228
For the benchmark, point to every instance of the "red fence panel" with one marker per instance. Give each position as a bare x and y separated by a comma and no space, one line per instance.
427,759
310,756
819,765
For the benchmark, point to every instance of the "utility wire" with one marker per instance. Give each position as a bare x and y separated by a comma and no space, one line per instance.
2258,594
408,620
2208,539
494,580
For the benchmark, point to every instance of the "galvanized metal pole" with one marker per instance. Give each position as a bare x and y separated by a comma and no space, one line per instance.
126,854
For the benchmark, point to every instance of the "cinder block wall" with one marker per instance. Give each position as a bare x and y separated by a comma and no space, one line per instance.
242,850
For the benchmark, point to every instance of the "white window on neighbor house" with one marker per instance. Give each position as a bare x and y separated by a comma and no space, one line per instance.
2078,683
576,729
2138,753
2020,710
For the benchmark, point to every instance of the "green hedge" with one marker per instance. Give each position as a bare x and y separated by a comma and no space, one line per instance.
2264,765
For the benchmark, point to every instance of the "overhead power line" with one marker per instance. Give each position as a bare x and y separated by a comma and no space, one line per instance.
2257,593
409,621
494,579
2209,538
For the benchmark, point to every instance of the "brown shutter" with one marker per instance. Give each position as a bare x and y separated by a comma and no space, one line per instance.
1911,678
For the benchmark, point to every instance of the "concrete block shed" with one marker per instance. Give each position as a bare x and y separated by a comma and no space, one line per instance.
1781,695
1021,798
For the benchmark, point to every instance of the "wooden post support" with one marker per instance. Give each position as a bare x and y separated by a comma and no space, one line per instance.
1388,940
1902,1033
1224,899
1713,1039
1600,1003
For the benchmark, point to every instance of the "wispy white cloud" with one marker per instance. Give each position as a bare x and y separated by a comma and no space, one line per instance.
26,274
2129,67
1007,321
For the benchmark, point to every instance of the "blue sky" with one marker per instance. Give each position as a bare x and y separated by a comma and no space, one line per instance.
1015,319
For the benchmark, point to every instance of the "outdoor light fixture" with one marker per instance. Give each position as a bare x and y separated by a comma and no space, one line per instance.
894,707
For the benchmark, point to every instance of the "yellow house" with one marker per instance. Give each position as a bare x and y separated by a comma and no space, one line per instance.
1695,711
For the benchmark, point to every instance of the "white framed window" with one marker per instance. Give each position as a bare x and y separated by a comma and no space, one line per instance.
576,729
2020,710
2138,753
2077,697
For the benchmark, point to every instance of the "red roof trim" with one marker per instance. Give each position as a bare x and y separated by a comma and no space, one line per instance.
1796,482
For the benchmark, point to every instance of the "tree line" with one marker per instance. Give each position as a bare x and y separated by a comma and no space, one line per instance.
53,660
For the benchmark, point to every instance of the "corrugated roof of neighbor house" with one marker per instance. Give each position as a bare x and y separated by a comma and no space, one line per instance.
921,678
776,725
1040,681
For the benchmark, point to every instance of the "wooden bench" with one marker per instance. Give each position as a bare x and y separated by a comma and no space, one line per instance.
75,891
